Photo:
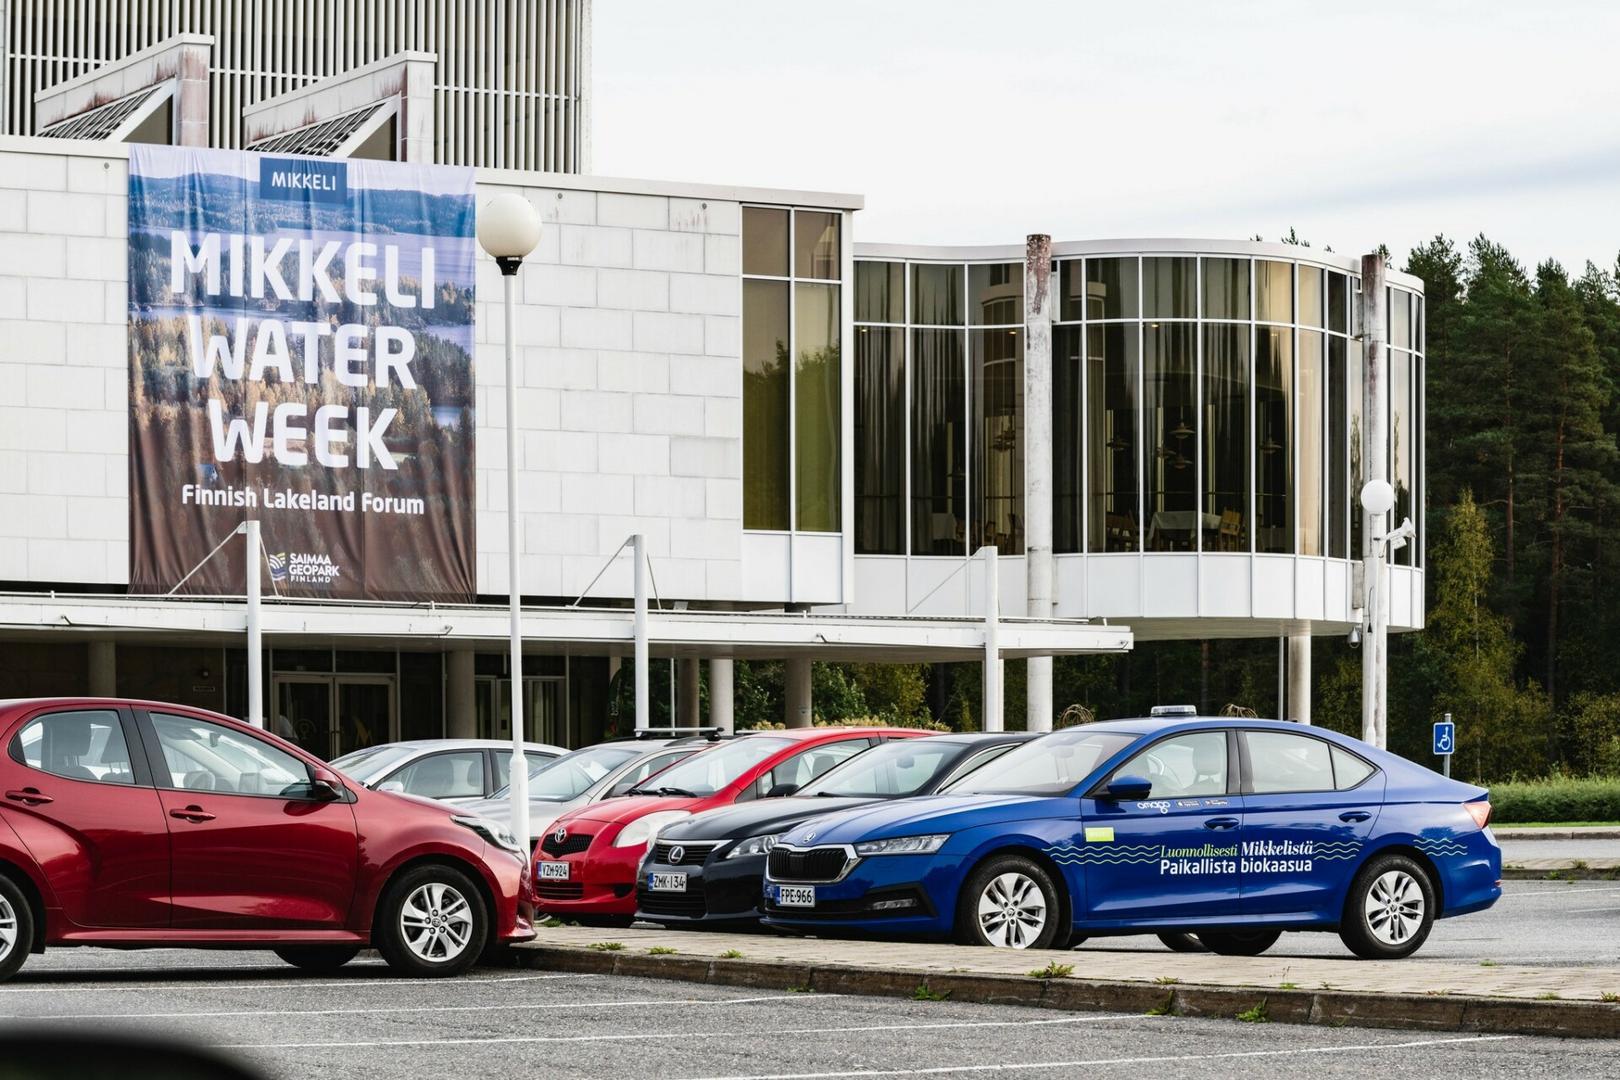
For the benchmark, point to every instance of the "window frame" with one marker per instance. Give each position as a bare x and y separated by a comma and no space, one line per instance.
139,767
159,765
1234,775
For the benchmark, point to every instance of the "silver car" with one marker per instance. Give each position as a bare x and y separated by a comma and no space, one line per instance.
451,770
586,776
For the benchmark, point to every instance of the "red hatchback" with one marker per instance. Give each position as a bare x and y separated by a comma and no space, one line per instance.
586,866
135,823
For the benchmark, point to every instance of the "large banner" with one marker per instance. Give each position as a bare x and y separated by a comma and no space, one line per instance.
301,352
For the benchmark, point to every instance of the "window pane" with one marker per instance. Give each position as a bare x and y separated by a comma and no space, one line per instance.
1111,402
1169,288
1226,434
1400,444
880,292
208,757
816,407
1068,366
998,439
1284,762
1170,435
996,294
1310,443
1349,770
815,245
1419,428
444,776
1355,306
1226,288
936,294
765,405
1354,382
1110,291
1182,767
1273,405
938,444
1338,302
1338,419
87,744
1274,291
1310,296
805,767
765,241
1400,319
880,433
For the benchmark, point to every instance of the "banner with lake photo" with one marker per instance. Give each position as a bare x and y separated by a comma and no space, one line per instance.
301,352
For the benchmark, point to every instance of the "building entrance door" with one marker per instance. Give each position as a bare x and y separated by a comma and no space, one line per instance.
542,710
330,715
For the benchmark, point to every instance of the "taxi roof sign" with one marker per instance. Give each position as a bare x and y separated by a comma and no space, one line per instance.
1173,710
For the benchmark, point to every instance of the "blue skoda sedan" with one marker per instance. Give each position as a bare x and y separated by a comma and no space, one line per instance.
1233,830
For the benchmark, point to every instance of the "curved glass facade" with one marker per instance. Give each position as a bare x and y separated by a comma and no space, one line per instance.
1201,403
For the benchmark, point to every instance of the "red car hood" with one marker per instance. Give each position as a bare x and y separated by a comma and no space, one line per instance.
628,808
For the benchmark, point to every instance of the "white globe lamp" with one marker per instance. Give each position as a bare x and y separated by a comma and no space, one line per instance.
1377,497
508,230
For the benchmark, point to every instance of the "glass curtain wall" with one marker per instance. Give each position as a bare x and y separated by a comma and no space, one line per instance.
1170,435
996,343
792,369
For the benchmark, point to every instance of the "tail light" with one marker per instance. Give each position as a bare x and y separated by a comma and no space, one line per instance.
1480,811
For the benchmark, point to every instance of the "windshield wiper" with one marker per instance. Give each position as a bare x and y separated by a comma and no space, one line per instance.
677,791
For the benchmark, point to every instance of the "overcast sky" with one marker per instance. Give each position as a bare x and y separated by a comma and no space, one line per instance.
978,121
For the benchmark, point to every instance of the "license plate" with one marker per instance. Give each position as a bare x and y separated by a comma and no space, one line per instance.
554,871
667,882
796,896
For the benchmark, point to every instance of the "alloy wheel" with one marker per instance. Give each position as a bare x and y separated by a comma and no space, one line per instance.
8,928
1394,907
1012,911
437,922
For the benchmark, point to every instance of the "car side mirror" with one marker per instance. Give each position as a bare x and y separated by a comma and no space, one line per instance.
392,786
782,789
1127,788
326,785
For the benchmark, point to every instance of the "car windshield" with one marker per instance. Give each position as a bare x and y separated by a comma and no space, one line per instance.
1051,765
903,767
567,777
366,765
707,772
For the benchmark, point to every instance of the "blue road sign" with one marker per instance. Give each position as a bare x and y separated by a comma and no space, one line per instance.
1445,737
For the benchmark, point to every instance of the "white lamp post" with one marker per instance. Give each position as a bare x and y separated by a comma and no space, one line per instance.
1376,499
508,229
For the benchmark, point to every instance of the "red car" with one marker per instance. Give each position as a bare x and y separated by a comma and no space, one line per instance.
586,866
135,823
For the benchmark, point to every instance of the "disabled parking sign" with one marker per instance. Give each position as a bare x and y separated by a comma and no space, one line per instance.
1445,738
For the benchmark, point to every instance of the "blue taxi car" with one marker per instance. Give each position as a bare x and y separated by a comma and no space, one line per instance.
1234,830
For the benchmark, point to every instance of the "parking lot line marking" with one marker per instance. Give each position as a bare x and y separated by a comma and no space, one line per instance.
943,1070
1589,910
424,1008
272,984
641,1036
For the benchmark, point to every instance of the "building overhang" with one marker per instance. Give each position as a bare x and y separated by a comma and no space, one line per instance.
574,630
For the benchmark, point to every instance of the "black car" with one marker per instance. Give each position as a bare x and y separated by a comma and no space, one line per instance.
709,869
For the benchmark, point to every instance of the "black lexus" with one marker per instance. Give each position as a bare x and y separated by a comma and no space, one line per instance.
709,869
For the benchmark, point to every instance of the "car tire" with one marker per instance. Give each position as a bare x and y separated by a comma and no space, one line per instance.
1010,902
320,959
1389,909
1182,943
1238,942
432,923
16,928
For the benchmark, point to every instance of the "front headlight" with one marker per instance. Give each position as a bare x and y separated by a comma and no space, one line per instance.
644,829
493,831
903,845
754,845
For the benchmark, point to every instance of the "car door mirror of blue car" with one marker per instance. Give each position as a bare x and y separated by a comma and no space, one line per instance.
780,790
1126,788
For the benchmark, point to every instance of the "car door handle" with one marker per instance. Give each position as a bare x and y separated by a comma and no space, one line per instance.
31,796
1221,823
1354,815
193,814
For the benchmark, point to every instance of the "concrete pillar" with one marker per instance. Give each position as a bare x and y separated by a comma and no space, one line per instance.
796,684
1375,466
1299,678
722,699
460,696
994,716
1038,466
103,669
689,710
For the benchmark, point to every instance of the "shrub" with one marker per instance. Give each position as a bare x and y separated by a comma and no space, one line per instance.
1557,799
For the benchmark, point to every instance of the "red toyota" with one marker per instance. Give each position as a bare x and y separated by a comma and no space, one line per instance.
135,823
586,866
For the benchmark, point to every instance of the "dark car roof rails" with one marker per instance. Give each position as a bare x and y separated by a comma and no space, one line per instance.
683,734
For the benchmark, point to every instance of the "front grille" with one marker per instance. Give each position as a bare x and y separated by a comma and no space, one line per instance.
573,844
812,865
691,854
559,890
687,905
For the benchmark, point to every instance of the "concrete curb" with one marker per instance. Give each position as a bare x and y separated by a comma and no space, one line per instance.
1561,872
1574,832
1564,1018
